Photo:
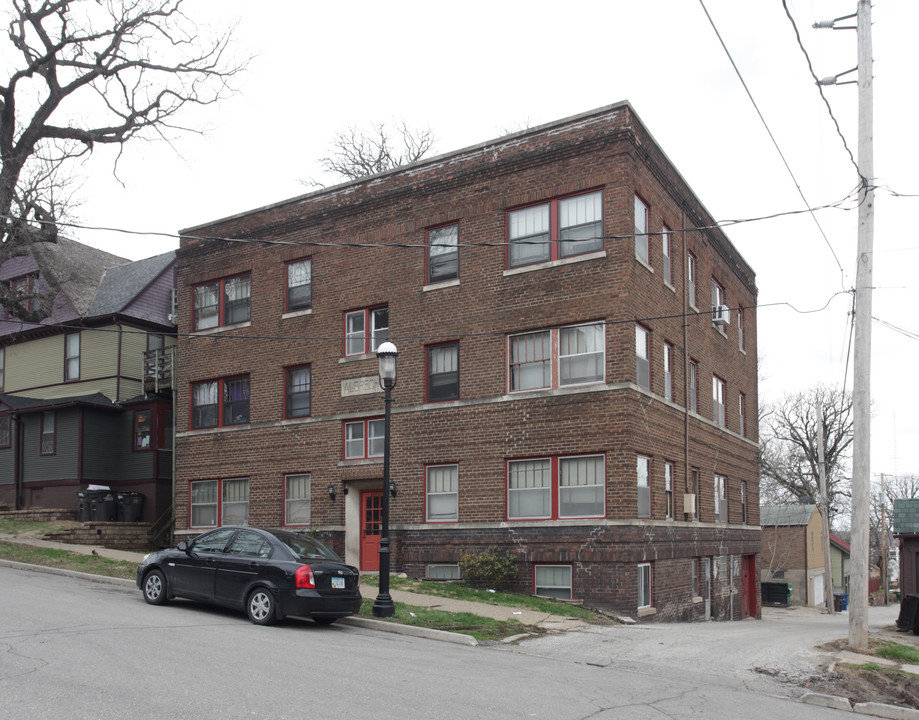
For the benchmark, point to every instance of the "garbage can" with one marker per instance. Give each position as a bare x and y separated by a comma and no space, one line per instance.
84,509
908,616
840,601
775,593
104,506
130,506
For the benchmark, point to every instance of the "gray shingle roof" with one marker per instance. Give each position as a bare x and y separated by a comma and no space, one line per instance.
76,267
785,514
121,284
21,403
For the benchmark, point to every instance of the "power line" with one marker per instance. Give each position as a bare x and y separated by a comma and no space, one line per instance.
70,325
774,141
837,204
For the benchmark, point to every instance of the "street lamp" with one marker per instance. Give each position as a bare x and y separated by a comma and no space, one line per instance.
383,606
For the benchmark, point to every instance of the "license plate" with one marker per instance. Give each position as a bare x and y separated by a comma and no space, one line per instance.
338,583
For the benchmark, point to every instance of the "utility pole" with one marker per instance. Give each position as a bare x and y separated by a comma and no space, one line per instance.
861,383
824,515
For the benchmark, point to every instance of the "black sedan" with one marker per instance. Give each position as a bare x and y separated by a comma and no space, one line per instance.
268,573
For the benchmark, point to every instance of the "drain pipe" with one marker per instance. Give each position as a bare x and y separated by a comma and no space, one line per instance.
17,458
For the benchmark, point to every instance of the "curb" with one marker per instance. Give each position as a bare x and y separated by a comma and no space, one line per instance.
428,633
882,710
366,623
124,582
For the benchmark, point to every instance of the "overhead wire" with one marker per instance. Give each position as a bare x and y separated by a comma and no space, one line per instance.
774,141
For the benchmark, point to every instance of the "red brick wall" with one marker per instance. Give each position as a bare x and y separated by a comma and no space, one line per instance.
610,151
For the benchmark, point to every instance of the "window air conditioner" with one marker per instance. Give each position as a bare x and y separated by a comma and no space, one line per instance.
721,315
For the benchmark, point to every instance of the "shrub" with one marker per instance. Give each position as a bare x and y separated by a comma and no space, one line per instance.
493,568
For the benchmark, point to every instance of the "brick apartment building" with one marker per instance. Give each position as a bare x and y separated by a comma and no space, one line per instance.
566,390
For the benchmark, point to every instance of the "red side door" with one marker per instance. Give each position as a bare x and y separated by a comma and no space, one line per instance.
749,586
371,510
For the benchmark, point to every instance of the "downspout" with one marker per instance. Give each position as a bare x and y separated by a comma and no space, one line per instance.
17,458
118,370
685,251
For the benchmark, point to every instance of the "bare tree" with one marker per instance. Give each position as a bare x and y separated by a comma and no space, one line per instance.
357,153
892,487
788,445
84,74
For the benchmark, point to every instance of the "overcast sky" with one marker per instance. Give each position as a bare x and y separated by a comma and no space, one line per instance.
471,71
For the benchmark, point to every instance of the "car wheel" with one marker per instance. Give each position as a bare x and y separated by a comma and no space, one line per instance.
260,606
324,620
155,588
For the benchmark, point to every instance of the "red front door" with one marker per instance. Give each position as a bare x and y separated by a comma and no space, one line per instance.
371,516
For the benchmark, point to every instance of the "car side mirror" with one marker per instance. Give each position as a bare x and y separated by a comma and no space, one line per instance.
183,546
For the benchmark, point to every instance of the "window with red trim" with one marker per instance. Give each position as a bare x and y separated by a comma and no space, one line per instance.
641,231
219,502
222,302
556,229
299,295
216,403
556,487
443,372
443,253
572,355
365,330
298,383
364,439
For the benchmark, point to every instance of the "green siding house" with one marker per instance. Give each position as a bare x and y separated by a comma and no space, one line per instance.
85,394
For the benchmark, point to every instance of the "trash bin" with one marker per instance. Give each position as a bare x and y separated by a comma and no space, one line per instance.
775,593
84,509
840,601
908,615
104,506
130,506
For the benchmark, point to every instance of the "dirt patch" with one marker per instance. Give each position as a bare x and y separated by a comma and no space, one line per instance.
863,683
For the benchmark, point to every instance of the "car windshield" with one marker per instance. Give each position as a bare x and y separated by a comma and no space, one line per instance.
306,547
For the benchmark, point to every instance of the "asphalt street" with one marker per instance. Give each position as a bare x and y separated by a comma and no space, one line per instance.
79,649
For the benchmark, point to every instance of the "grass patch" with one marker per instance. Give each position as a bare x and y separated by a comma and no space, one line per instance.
462,592
898,652
481,628
50,557
32,528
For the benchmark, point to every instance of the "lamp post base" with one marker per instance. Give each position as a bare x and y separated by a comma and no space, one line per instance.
383,606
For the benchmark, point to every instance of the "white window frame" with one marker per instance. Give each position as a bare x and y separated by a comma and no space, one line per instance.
442,571
358,342
668,371
742,413
533,481
645,586
297,499
740,333
299,274
719,411
642,356
693,386
565,356
592,481
442,488
72,344
371,438
642,213
210,501
231,506
717,301
443,244
668,488
643,485
562,591
666,255
721,499
691,269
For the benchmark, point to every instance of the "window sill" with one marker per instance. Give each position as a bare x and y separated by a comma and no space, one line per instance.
644,264
221,328
720,331
670,287
697,599
297,313
355,358
647,612
744,352
693,307
555,263
356,462
443,284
